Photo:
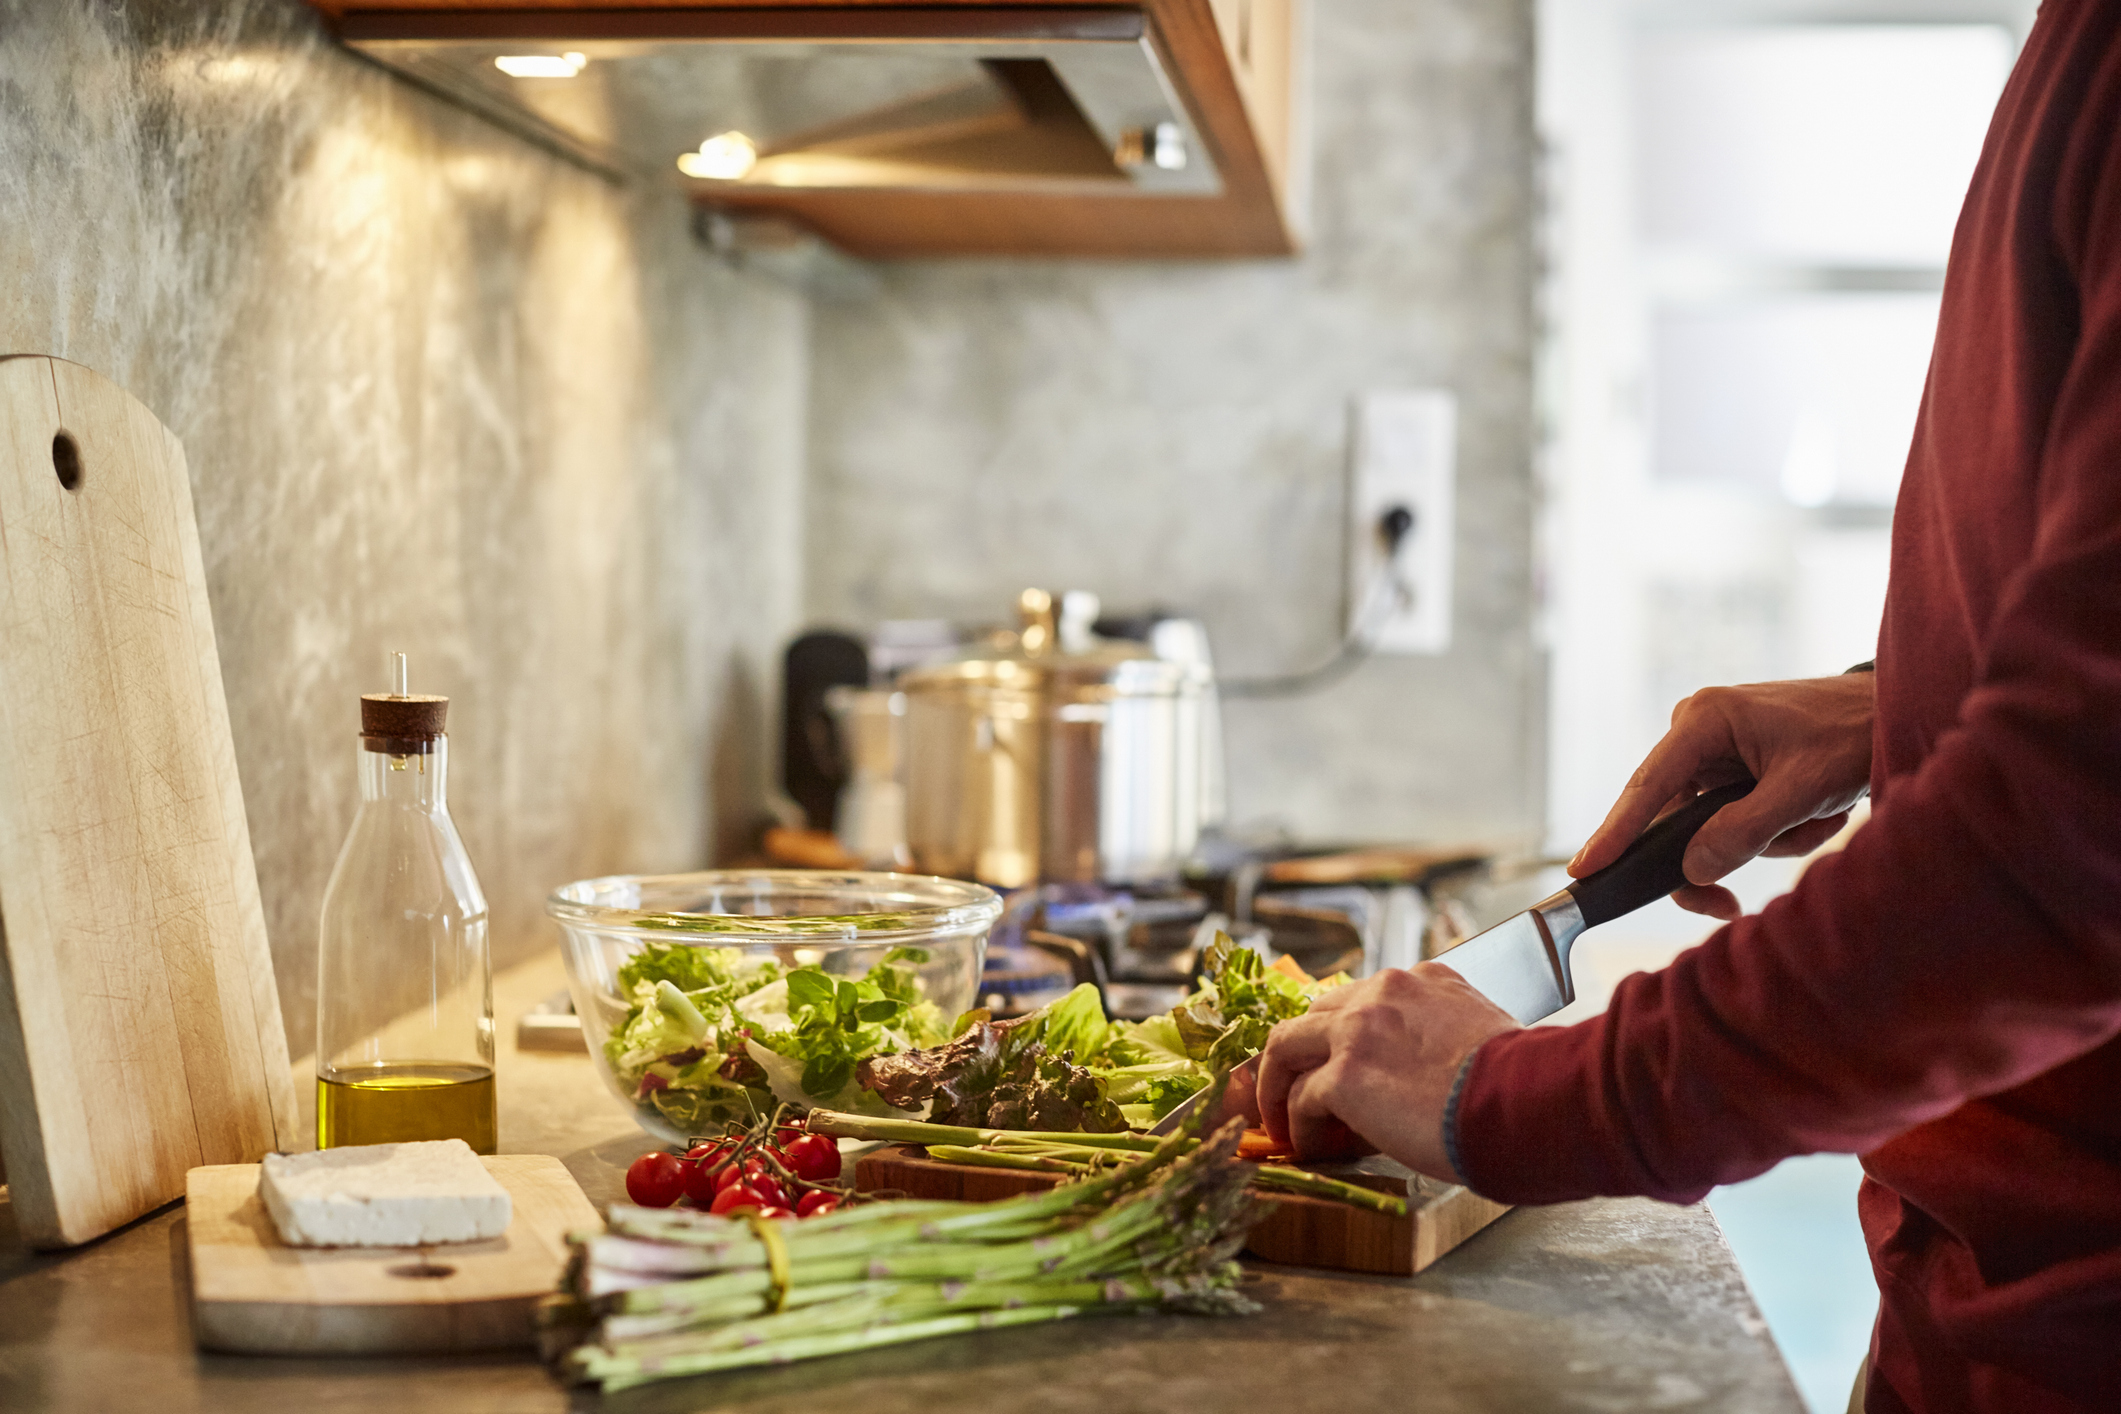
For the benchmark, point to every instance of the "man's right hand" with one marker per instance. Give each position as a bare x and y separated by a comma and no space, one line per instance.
1808,744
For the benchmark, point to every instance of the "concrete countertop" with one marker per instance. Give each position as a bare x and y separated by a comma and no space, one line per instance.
1615,1305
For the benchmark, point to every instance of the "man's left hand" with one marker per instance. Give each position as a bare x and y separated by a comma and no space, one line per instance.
1378,1056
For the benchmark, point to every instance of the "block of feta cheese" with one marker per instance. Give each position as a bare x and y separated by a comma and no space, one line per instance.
383,1195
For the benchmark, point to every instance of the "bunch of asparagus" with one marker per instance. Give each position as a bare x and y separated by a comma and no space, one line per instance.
669,1292
1072,1153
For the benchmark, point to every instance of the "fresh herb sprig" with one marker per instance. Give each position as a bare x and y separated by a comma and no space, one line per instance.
838,1022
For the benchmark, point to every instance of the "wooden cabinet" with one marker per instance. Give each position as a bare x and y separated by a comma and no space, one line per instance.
1168,130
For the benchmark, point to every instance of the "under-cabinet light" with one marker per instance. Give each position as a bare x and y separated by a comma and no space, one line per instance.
1168,147
723,157
541,66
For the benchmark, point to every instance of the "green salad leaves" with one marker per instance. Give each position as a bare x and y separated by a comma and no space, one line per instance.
1066,1067
712,1036
1150,1067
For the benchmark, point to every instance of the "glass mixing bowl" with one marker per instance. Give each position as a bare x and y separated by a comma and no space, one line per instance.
845,924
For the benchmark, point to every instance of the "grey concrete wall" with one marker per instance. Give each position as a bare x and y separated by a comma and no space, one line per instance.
1178,434
439,393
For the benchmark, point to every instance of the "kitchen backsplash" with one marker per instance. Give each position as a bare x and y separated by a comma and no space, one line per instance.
439,392
1177,435
444,393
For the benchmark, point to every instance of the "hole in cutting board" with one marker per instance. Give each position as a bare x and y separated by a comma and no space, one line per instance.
66,460
422,1268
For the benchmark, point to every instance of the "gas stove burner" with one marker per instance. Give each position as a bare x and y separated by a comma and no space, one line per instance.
1142,947
1019,980
1137,946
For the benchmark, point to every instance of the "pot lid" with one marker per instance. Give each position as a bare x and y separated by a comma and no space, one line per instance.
1054,649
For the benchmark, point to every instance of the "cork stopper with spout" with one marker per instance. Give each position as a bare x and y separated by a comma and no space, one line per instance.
400,723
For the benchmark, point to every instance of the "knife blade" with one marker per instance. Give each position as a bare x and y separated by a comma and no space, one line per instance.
1522,963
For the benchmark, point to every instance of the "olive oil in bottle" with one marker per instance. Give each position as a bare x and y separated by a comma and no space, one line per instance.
404,980
387,1104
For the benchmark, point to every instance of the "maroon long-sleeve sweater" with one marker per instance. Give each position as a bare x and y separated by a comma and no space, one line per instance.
1943,997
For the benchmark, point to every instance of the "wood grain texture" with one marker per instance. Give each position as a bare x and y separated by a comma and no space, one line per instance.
252,1294
140,1026
1232,61
1301,1231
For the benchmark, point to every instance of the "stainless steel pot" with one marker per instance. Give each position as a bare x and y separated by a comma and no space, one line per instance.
1055,756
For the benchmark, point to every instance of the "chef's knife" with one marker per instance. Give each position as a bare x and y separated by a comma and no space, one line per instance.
1522,963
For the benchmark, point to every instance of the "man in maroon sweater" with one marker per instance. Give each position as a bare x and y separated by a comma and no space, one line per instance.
1943,997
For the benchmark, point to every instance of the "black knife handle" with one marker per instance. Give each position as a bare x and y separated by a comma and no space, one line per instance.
1649,869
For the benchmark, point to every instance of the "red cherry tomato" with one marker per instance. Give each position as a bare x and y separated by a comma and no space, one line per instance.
814,1158
700,1177
775,1213
737,1173
770,1189
734,1198
816,1203
655,1180
788,1133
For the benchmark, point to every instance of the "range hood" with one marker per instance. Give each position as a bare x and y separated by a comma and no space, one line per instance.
745,103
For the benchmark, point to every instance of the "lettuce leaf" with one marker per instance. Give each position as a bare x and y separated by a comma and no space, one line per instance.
1074,1025
687,968
700,1019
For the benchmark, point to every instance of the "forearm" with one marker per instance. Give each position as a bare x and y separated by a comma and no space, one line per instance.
1955,948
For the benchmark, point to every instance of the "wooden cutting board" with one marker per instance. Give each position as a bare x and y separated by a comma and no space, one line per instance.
139,1023
253,1294
1301,1231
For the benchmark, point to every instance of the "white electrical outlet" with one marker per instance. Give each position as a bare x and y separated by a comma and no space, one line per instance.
1405,449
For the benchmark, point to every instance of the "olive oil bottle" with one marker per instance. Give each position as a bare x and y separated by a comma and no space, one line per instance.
404,979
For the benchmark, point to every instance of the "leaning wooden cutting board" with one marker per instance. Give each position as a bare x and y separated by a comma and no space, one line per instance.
139,1024
1301,1231
253,1294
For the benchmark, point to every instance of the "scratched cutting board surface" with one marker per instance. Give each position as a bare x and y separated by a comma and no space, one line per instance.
1301,1231
139,1024
253,1294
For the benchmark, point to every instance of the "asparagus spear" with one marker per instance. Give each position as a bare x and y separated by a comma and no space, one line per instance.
666,1294
1047,1152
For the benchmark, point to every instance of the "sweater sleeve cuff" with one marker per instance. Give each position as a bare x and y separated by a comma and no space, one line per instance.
1450,1115
1532,1119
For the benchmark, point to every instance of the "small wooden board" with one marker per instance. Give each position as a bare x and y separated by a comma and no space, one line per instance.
1301,1231
252,1294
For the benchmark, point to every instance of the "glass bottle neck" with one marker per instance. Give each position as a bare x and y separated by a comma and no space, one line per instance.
418,781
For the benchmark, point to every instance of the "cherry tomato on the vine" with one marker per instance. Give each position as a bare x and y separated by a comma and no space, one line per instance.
655,1180
771,1212
738,1173
814,1159
735,1197
700,1177
816,1203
